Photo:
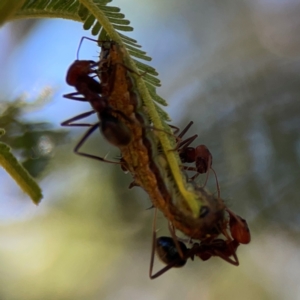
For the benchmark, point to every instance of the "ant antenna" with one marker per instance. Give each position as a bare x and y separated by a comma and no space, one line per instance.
81,40
153,243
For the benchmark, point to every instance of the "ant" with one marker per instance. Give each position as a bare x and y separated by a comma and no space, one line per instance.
168,253
173,252
99,96
103,96
90,90
200,155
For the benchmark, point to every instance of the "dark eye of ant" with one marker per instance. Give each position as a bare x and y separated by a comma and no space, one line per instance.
204,210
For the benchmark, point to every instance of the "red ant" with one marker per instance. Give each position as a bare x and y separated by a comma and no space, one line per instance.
90,90
200,155
174,253
168,253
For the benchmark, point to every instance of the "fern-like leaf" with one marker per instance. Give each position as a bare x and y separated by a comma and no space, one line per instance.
108,21
81,11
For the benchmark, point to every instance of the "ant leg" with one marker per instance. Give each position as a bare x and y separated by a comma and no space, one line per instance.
175,239
68,123
168,266
153,245
238,228
186,142
191,169
234,261
182,145
83,139
237,218
223,230
184,131
207,173
176,129
233,251
164,269
73,96
217,182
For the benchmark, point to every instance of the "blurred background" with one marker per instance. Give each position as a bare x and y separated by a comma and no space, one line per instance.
230,66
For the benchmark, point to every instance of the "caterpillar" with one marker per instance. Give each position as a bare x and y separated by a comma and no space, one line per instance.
149,167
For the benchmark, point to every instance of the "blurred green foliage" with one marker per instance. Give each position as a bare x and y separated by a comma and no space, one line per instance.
32,142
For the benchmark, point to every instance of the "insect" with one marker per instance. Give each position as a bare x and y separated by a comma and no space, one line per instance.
200,155
203,159
144,151
174,253
92,91
168,253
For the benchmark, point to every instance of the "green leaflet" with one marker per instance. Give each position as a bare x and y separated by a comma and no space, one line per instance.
19,174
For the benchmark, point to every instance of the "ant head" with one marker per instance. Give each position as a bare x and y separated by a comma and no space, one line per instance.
79,68
203,159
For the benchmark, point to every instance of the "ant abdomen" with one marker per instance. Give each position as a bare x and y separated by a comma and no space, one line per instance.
115,131
167,252
239,229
